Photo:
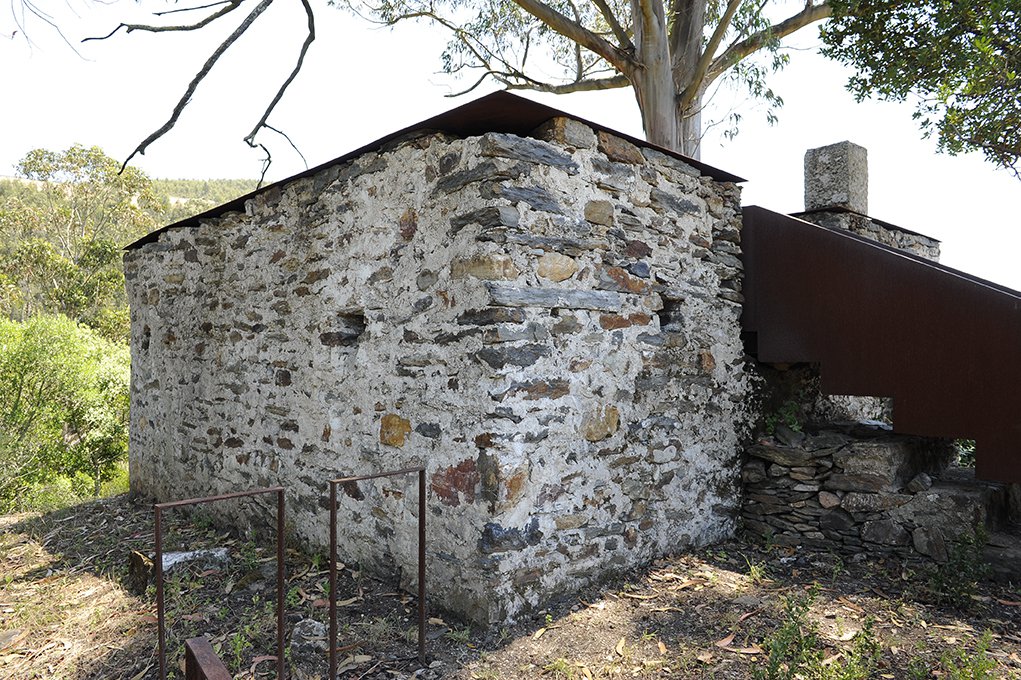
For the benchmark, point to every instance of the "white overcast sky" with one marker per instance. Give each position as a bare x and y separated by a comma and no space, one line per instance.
361,82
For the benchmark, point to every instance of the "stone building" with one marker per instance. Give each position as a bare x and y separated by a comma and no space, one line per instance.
542,312
551,317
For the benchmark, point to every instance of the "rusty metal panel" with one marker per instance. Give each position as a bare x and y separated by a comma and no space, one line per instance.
944,345
201,662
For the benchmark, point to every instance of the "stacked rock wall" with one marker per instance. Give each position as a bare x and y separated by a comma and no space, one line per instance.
860,489
550,326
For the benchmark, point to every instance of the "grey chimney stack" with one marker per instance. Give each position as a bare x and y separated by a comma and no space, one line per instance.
837,176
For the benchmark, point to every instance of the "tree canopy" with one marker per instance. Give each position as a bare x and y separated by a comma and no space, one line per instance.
959,61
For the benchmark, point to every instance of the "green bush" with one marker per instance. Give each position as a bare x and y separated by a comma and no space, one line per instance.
63,409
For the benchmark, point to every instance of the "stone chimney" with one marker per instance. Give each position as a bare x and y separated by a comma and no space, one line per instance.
837,176
837,195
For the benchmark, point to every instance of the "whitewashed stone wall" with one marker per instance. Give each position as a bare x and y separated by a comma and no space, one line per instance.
551,327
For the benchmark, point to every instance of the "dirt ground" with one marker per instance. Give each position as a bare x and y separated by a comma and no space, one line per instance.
737,610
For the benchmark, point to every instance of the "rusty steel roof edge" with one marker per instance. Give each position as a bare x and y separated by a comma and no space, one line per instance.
848,211
900,253
496,112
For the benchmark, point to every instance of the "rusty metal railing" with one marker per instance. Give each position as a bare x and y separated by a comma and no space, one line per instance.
334,483
202,663
158,565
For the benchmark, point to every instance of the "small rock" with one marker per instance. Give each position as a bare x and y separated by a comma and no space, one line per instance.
599,212
557,267
393,430
617,149
920,482
828,500
308,637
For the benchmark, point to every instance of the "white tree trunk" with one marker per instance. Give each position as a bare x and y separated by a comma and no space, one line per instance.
653,80
691,130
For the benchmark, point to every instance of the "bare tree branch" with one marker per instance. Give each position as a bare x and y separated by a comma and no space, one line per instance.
572,30
250,139
230,7
691,91
611,19
742,48
611,83
191,9
202,73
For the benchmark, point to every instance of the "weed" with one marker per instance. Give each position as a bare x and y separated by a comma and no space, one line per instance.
459,635
560,668
380,629
786,414
960,664
756,571
955,581
293,597
648,636
249,555
793,650
792,647
238,644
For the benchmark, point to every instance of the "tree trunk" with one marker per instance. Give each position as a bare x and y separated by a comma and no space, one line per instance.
690,125
653,80
686,49
97,480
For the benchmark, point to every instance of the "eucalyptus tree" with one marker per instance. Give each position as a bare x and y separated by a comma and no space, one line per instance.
958,57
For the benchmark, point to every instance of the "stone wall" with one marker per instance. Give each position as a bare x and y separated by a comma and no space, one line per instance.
860,489
550,325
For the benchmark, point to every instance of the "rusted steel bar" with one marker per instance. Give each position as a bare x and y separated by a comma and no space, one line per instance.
201,662
160,613
420,470
362,478
220,497
421,565
158,559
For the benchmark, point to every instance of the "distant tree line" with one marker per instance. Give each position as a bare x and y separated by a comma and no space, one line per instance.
64,320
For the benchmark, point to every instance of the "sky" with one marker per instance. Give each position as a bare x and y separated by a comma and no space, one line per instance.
361,82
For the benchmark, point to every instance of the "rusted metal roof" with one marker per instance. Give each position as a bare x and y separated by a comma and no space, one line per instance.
944,345
496,112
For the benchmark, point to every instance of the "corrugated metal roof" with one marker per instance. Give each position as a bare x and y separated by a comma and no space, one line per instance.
496,112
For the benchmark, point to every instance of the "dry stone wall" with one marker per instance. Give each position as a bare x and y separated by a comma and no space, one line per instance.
858,488
549,324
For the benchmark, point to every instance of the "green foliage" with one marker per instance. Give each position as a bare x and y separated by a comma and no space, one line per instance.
183,198
793,650
956,580
960,62
787,414
960,664
965,452
62,228
63,405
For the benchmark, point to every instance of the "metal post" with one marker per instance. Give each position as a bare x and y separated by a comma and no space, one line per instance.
333,557
281,572
333,580
280,584
421,566
160,623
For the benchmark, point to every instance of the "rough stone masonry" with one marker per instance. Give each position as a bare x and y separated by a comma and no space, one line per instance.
550,324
